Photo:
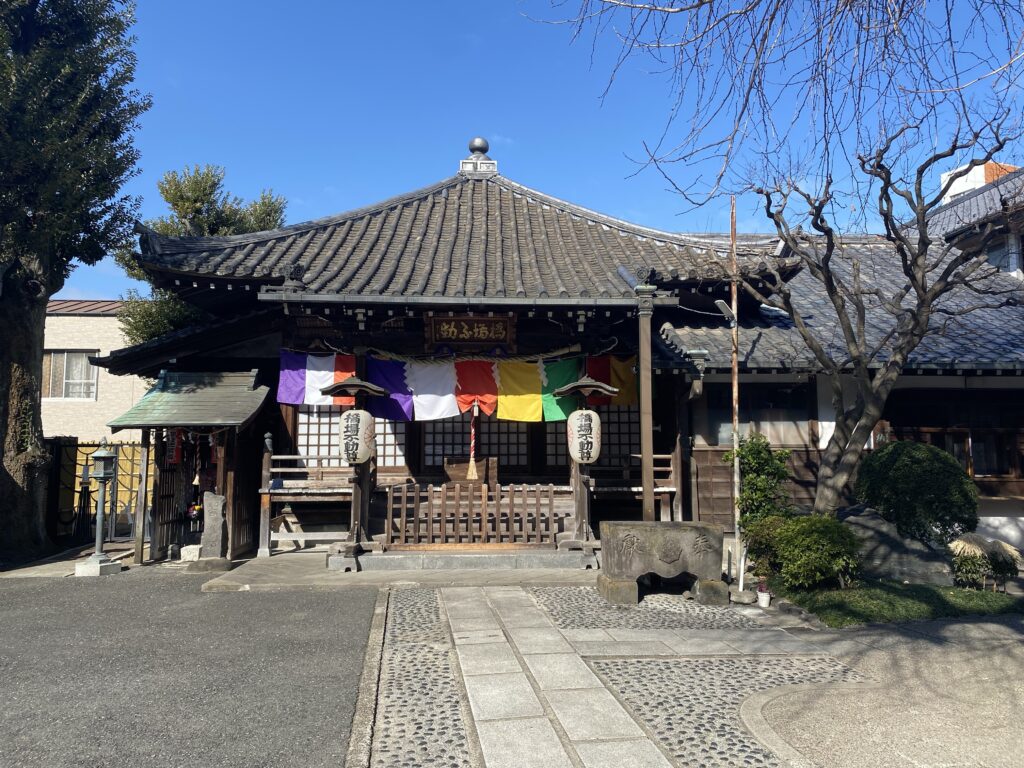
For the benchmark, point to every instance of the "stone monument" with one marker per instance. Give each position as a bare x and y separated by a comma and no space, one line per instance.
630,550
214,541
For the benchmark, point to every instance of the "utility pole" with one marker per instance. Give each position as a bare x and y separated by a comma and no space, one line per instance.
740,558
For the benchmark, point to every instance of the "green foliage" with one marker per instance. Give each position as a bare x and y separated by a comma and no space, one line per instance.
760,535
147,318
68,110
1001,567
973,570
814,550
199,207
970,570
763,476
886,601
919,488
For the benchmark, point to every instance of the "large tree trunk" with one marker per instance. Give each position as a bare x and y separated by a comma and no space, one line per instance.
842,455
23,460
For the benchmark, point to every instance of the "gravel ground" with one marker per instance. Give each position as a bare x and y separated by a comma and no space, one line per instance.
144,669
584,608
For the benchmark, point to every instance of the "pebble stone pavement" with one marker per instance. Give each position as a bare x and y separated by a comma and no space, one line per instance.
507,677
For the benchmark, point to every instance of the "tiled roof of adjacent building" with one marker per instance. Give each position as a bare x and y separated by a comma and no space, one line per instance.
980,205
983,338
105,307
470,235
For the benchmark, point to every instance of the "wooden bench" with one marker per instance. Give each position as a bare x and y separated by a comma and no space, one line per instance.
318,479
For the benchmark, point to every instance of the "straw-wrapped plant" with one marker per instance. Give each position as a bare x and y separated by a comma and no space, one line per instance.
976,560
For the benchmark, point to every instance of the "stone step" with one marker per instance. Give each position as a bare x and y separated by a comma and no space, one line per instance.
441,560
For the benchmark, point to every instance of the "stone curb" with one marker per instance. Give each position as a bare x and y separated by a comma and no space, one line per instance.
361,733
792,609
753,719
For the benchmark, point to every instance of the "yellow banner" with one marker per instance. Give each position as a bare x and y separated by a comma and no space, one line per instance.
624,378
519,392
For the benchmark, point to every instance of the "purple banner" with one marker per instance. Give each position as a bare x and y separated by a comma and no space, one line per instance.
389,374
291,387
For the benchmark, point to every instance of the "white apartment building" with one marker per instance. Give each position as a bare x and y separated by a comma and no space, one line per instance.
78,398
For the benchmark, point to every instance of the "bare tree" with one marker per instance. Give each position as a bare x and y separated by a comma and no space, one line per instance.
888,293
838,114
753,81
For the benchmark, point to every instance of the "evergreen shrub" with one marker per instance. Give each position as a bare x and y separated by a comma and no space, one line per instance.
816,550
920,489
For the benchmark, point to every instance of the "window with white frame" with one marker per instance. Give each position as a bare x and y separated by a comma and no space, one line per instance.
68,374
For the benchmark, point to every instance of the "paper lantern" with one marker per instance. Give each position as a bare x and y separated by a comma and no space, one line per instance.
358,438
583,429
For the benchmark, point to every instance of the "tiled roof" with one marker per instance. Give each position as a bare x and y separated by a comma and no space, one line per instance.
983,338
466,236
149,356
979,205
83,307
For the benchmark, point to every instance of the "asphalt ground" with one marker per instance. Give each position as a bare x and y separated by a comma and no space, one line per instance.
143,668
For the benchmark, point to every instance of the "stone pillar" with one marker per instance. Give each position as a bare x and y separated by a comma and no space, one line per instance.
265,479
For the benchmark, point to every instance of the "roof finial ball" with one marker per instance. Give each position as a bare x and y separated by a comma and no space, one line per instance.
479,146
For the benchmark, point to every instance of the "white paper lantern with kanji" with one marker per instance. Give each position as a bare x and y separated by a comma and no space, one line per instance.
583,430
358,436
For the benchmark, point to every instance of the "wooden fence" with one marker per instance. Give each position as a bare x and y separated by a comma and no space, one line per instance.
473,513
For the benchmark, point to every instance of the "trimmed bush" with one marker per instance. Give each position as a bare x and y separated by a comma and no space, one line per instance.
920,489
759,535
816,550
763,475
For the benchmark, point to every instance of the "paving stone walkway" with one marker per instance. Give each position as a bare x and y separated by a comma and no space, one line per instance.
554,677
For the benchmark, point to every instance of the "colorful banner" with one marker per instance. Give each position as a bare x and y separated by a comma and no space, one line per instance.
304,375
433,390
557,374
599,369
519,392
344,368
623,377
429,390
476,383
319,374
390,375
291,387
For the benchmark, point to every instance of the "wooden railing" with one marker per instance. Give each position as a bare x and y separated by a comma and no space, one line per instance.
472,513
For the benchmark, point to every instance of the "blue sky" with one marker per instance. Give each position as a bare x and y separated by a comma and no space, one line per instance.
338,105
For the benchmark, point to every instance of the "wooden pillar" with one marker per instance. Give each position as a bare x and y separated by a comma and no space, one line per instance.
157,541
581,504
681,453
230,456
268,451
142,500
645,309
362,487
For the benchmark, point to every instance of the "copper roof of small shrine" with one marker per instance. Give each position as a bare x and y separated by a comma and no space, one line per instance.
472,235
217,399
